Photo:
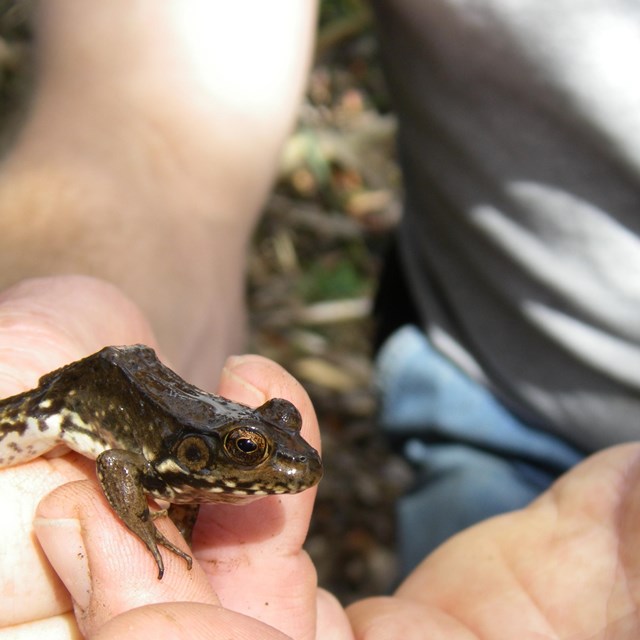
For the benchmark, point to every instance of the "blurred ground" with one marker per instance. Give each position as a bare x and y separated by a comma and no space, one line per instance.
312,275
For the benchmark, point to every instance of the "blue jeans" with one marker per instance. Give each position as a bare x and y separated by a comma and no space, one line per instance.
474,458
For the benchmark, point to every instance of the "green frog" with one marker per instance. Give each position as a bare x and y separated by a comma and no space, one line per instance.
154,435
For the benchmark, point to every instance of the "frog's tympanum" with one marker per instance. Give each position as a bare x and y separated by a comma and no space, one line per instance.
153,434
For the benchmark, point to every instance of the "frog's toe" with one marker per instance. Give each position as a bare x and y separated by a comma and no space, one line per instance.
161,539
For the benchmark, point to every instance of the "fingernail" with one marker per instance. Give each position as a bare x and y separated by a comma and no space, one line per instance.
235,361
229,372
61,540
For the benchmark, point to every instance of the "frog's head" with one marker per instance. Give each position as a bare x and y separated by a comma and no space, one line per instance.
256,454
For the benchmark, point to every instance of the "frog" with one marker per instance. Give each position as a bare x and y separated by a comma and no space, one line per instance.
155,437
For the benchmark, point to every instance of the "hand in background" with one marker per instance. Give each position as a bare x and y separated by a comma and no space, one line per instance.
568,566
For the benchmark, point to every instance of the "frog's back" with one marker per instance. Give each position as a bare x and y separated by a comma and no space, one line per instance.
120,397
169,394
89,405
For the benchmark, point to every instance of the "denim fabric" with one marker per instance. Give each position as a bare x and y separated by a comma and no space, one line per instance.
474,458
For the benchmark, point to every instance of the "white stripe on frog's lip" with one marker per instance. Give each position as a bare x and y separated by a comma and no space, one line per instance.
166,466
214,485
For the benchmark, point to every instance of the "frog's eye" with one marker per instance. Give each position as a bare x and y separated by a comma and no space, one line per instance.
193,453
246,446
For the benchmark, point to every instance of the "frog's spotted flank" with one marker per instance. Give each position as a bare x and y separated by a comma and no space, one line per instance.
153,434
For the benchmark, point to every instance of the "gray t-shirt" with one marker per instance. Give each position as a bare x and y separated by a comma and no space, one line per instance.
520,142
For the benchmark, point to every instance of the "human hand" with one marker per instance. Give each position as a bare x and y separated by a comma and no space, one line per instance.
250,571
565,567
568,566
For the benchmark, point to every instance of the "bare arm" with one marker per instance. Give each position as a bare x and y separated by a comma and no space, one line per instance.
154,134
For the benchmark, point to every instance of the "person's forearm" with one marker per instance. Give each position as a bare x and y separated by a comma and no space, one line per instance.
153,139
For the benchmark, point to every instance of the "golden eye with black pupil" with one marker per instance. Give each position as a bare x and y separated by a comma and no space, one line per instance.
193,453
246,446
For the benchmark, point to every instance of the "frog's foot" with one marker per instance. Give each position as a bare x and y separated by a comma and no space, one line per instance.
120,474
184,517
161,539
160,513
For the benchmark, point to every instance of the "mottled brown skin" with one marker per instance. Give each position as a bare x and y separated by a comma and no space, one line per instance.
153,434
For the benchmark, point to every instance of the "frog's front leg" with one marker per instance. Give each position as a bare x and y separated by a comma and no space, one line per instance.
121,475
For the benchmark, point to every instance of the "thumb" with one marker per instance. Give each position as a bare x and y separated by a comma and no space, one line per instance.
176,620
106,570
113,584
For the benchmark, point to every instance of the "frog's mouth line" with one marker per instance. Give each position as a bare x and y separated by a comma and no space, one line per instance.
219,490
